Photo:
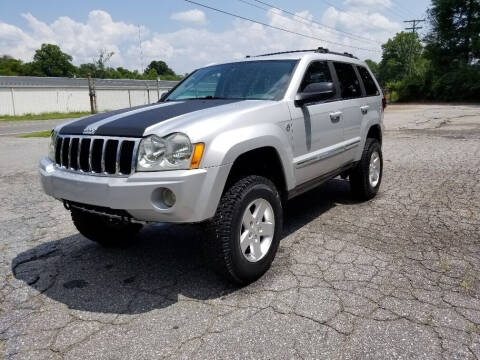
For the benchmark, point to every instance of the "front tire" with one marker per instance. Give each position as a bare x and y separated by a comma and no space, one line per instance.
245,233
102,230
366,177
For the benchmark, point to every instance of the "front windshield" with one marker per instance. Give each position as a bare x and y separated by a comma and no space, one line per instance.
249,80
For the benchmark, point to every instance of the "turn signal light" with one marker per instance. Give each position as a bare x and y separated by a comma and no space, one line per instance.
197,155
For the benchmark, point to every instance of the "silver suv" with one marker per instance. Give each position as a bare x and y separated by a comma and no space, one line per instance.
227,147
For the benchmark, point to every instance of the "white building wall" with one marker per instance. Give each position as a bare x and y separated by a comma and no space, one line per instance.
111,99
41,100
6,106
34,99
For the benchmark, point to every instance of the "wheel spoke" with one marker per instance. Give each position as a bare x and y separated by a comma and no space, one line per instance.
255,249
247,219
266,229
245,241
260,208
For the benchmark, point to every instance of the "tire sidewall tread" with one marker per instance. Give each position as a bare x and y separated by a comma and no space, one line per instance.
359,177
223,245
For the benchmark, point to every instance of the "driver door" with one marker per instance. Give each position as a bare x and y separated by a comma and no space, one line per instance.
317,129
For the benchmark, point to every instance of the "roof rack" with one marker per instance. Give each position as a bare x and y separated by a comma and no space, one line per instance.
320,50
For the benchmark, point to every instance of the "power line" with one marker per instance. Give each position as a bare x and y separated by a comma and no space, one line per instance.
306,20
405,10
398,16
414,23
278,28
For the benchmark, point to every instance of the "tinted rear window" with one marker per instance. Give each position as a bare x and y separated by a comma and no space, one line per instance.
349,83
370,86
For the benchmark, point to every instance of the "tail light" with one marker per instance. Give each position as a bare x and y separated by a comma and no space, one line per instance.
384,101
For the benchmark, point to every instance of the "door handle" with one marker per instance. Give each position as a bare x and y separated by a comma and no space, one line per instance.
365,109
335,116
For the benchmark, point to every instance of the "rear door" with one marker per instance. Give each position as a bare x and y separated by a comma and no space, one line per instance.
371,106
351,96
317,130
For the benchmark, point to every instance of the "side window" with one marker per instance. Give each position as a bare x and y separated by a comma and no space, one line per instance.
349,83
370,86
317,72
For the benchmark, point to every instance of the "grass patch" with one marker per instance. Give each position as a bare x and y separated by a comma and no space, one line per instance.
41,134
392,97
45,116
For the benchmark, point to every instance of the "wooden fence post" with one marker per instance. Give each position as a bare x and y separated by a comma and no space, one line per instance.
13,101
91,93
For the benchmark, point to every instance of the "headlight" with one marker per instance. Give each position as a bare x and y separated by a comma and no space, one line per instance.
51,145
169,153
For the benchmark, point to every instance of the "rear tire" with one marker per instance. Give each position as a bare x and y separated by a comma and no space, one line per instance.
366,177
102,230
244,235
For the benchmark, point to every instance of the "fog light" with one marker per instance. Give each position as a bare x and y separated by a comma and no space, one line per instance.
168,197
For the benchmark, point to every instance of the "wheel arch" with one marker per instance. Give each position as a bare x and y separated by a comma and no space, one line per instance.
263,161
375,132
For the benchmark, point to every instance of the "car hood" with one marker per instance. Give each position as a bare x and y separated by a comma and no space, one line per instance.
133,122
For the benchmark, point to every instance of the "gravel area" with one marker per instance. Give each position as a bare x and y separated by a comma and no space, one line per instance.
394,278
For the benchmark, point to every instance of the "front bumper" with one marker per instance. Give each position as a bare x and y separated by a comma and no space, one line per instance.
197,191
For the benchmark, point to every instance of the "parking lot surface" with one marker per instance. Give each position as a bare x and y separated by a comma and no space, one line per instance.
394,278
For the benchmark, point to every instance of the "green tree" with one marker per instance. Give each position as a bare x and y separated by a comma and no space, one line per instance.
151,74
160,67
86,69
10,66
455,32
49,60
453,49
399,57
103,58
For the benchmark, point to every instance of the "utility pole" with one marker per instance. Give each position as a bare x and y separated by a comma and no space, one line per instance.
414,23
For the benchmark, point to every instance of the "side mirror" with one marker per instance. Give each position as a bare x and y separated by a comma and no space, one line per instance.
315,92
163,97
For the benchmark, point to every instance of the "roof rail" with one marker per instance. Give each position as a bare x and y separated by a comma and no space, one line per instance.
320,50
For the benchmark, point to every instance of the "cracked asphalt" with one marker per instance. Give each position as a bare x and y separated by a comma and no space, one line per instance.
394,278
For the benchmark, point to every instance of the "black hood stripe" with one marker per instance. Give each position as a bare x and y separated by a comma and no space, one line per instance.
134,125
77,127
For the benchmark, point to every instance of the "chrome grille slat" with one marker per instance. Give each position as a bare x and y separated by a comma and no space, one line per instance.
117,157
116,151
69,164
102,160
90,169
61,151
79,151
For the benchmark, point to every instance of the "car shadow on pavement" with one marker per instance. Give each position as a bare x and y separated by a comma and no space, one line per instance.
164,264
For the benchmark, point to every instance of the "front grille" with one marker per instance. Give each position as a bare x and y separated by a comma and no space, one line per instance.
96,155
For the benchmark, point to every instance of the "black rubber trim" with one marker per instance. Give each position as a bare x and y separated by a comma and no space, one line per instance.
311,184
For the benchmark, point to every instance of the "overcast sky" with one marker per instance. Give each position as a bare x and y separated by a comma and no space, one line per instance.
188,36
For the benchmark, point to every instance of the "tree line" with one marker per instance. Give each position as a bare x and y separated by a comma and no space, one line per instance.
50,60
444,65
